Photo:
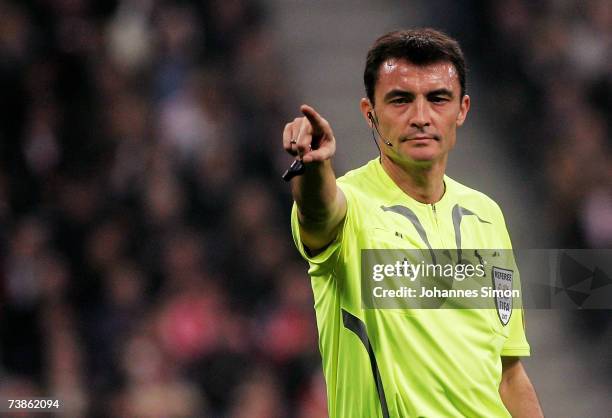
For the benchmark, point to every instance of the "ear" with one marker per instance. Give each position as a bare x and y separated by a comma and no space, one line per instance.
464,108
366,107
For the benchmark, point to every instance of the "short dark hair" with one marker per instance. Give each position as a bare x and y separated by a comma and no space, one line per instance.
418,46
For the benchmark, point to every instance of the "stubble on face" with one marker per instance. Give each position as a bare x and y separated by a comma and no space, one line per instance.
418,110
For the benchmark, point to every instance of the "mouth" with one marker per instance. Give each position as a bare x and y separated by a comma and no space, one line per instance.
421,138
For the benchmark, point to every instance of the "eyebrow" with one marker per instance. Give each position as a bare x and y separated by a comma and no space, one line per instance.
403,93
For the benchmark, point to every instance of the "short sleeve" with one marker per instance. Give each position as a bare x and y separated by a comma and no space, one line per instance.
516,345
323,262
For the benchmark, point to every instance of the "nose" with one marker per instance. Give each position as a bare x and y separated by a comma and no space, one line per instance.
420,117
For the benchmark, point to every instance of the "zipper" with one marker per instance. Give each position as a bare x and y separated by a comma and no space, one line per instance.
435,213
439,242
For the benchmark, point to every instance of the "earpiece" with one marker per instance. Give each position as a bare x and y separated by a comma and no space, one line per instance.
375,126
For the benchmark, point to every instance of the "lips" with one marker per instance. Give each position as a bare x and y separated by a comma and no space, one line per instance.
420,138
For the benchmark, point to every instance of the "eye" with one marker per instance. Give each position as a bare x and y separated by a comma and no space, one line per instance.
400,100
438,99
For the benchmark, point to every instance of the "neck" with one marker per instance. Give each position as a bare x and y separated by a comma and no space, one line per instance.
424,183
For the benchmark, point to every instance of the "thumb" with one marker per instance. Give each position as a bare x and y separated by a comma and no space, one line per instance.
317,155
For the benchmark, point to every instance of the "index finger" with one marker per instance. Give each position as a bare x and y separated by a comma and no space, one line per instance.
313,117
304,137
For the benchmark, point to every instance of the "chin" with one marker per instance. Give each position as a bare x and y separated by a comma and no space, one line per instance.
421,154
422,157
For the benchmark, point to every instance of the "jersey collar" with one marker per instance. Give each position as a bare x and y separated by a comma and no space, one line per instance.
395,194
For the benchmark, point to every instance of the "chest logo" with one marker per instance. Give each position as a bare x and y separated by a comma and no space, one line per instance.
502,283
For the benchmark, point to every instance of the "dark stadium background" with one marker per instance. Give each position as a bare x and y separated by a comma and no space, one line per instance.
146,262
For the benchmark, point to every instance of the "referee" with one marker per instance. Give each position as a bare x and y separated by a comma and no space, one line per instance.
410,362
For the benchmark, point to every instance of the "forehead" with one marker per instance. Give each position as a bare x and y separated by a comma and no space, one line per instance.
398,73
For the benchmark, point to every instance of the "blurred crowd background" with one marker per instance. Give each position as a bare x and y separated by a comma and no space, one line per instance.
552,63
146,262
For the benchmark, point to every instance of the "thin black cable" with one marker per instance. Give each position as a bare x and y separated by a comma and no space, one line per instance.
376,143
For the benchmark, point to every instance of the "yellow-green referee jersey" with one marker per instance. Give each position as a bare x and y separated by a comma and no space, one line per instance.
408,363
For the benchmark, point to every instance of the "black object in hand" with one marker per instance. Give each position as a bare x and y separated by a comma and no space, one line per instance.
297,168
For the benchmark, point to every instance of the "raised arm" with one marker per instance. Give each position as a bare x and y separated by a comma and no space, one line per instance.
321,204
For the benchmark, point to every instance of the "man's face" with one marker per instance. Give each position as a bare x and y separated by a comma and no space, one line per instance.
418,109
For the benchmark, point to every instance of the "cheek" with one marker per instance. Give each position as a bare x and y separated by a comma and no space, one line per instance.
395,120
446,122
